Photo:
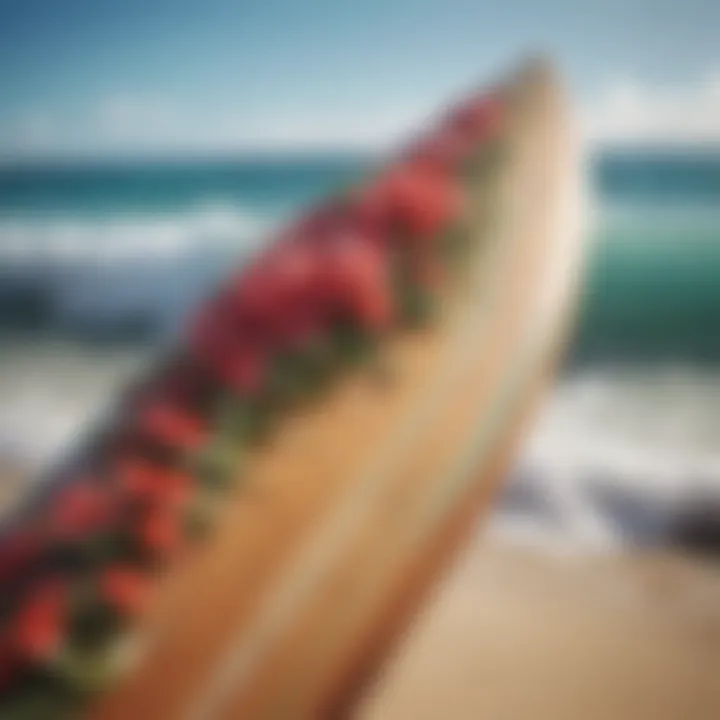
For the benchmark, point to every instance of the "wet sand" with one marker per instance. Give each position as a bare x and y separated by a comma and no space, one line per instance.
520,633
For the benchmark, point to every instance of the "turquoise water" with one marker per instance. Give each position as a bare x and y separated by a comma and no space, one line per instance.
121,251
652,292
265,184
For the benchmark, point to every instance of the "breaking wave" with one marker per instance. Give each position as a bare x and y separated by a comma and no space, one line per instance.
123,275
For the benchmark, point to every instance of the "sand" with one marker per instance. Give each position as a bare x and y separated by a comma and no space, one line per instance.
517,633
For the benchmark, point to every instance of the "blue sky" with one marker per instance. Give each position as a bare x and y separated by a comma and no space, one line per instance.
95,76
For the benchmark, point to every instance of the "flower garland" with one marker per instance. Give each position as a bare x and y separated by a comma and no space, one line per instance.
79,571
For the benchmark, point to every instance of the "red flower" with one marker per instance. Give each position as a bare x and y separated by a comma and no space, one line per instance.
244,372
38,629
422,202
441,151
8,664
322,223
374,309
293,271
232,358
252,295
17,551
79,509
301,325
414,199
479,118
146,483
160,535
357,282
211,333
295,279
371,206
170,425
179,384
125,589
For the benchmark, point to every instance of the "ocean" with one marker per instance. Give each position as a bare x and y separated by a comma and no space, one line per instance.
99,263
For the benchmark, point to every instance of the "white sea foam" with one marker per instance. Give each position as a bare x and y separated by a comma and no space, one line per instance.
71,240
614,457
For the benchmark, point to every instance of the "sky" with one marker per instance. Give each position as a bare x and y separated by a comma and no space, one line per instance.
138,76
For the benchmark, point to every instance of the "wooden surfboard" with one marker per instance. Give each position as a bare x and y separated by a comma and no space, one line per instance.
322,558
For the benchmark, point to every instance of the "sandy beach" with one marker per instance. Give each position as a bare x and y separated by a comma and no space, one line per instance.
518,633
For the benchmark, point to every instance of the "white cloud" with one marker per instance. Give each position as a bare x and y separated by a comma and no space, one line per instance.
628,112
